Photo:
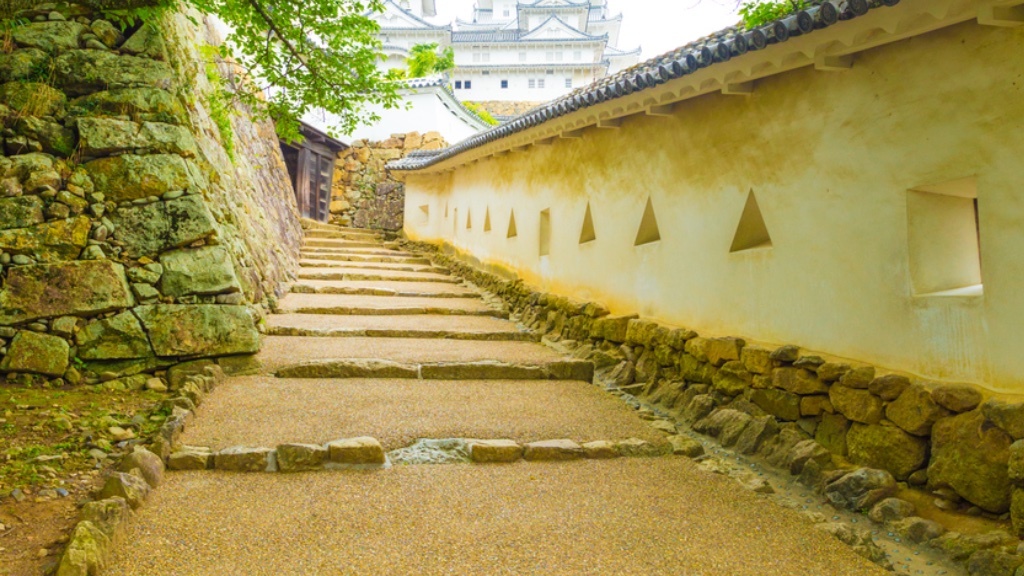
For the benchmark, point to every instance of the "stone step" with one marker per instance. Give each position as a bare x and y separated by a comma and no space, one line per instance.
319,357
361,305
333,243
621,516
365,236
401,267
373,275
409,326
343,257
403,289
358,252
267,411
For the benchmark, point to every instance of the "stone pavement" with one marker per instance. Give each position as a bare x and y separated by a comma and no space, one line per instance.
381,346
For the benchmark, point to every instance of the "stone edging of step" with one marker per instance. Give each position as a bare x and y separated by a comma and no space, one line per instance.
520,336
366,453
101,522
482,370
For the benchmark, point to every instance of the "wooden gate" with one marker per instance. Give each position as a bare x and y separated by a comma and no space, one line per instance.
311,167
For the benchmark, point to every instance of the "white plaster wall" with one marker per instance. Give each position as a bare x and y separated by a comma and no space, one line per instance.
830,157
427,113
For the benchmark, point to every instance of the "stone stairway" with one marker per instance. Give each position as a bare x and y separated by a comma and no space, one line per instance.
378,363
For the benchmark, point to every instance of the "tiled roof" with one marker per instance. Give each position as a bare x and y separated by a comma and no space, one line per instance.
713,49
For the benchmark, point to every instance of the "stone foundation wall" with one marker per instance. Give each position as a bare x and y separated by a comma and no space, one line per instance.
364,195
948,439
130,239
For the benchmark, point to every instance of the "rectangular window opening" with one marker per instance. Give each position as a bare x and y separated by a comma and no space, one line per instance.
545,232
504,83
944,239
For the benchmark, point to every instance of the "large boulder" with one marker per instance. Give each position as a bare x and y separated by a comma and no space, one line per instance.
732,379
33,99
203,271
200,330
831,433
971,456
68,288
50,36
856,404
957,397
53,137
81,72
612,329
147,41
886,447
860,489
86,552
915,411
758,431
106,136
130,176
798,381
37,354
107,515
784,405
1007,415
22,64
55,241
21,212
119,337
159,226
143,104
148,463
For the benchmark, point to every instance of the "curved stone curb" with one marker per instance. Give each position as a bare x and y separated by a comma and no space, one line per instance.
356,311
368,368
376,278
383,333
300,288
366,453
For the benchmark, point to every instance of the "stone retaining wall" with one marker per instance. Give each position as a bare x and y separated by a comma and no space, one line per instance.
364,195
130,238
944,438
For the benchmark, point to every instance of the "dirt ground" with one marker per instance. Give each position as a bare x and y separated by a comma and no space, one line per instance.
55,446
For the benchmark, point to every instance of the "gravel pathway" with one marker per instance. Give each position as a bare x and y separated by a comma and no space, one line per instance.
262,411
647,516
626,516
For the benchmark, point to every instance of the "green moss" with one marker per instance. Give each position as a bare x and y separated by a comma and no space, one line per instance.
220,111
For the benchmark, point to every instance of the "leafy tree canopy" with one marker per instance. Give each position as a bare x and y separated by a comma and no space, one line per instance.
303,55
425,59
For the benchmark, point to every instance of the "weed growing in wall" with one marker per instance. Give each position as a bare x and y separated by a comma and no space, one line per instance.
218,103
760,12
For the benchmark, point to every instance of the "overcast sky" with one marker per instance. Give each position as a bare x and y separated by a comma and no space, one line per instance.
655,25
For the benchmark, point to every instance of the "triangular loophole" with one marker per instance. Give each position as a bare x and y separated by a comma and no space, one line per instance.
512,232
587,234
752,232
648,231
425,213
487,220
469,220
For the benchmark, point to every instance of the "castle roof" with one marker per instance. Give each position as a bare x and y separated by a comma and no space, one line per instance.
712,51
